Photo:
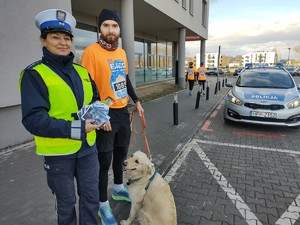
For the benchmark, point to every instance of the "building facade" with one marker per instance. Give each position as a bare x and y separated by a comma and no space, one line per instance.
152,33
209,60
262,57
270,58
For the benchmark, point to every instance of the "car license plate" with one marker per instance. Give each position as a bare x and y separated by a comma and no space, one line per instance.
263,114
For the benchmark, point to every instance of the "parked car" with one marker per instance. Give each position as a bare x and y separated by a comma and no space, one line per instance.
226,70
237,71
264,95
212,71
290,70
296,72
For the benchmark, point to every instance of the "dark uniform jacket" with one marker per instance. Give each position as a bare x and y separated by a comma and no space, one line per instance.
35,101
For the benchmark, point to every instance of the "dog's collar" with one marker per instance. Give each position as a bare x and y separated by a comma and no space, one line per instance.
151,179
130,181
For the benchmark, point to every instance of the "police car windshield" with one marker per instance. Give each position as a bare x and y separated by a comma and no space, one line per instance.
255,79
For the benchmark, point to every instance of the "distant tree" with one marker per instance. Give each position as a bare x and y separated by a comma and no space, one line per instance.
260,58
297,49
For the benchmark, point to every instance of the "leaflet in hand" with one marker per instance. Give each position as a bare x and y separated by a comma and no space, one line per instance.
97,111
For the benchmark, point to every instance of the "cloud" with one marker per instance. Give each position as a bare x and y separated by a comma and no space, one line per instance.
258,32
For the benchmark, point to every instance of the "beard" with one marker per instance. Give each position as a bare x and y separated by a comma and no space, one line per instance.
110,38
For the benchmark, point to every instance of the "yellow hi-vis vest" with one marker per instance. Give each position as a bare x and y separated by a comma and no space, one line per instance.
62,105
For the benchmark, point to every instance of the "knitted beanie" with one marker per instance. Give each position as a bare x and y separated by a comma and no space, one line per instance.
107,14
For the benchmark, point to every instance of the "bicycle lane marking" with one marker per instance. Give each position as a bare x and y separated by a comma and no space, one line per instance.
207,122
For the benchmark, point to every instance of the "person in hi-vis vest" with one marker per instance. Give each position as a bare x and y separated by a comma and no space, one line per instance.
53,90
202,77
190,77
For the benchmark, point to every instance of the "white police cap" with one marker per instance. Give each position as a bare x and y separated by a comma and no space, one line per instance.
55,20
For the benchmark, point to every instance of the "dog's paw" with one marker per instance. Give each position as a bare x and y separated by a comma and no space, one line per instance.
125,222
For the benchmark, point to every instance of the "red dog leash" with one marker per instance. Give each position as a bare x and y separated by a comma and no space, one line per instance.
143,123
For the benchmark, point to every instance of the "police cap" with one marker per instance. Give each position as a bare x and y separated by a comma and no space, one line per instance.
55,20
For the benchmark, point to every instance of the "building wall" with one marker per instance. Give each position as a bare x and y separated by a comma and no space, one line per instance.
175,10
19,47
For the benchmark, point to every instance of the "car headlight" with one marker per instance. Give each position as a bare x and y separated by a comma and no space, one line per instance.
294,104
233,99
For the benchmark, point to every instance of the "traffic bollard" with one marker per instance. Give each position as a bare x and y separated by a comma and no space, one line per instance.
223,83
219,85
198,100
175,109
207,92
216,88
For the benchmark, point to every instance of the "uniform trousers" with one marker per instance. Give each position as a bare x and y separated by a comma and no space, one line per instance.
61,172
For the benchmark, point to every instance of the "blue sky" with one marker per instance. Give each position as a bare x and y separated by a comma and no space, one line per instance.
241,27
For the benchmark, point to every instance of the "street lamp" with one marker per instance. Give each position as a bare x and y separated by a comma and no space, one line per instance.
288,61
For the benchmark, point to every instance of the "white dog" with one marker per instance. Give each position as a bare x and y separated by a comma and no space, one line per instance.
152,202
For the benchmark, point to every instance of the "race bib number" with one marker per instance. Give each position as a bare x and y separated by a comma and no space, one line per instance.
118,78
120,89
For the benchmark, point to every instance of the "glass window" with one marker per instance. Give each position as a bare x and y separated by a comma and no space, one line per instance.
169,48
139,47
139,67
82,39
161,48
184,4
192,7
169,60
204,13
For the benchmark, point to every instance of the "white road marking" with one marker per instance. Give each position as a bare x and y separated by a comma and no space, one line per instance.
289,217
171,173
236,199
250,147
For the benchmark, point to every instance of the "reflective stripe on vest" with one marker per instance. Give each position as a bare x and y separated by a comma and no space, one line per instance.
62,105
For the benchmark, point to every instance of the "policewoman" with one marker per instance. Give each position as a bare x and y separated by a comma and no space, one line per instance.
52,91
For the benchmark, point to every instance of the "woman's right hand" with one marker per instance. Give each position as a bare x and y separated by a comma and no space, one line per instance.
89,126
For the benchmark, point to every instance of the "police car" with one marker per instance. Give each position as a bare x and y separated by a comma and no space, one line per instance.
264,95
